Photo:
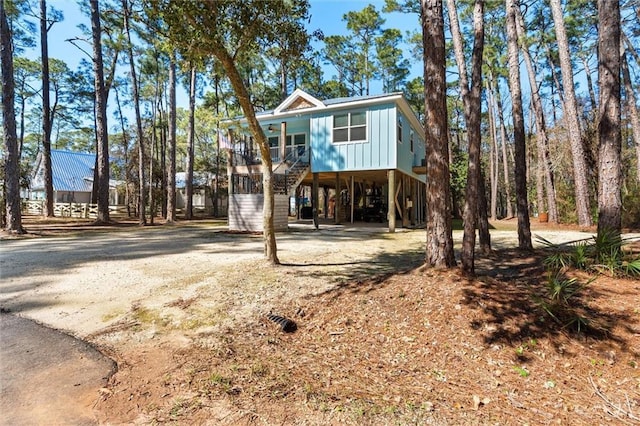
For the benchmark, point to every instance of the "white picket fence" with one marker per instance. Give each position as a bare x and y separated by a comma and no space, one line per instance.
76,210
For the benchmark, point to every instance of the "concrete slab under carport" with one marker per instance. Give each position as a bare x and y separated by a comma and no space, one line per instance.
410,215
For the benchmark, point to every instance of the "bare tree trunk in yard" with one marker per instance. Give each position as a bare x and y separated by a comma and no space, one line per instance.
191,136
13,222
484,236
592,93
472,110
580,169
544,161
102,153
139,133
439,247
171,172
610,141
524,228
504,140
269,234
494,160
46,113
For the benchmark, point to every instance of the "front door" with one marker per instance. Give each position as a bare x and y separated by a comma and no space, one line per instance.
296,147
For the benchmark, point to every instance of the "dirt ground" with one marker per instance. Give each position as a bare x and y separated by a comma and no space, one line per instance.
379,340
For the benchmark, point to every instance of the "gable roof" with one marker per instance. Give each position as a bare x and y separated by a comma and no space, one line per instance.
299,99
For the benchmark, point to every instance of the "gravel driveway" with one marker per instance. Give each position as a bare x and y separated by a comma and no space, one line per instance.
87,282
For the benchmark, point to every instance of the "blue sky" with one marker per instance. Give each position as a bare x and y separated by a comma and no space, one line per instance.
326,15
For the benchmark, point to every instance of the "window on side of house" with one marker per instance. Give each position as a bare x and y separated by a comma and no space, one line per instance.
399,129
350,127
411,141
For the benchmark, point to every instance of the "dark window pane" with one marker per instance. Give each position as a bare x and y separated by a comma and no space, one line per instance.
358,133
341,135
358,118
341,120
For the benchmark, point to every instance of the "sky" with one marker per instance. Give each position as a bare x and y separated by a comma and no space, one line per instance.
326,15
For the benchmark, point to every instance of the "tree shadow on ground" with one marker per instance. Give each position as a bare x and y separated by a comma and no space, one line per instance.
357,277
509,292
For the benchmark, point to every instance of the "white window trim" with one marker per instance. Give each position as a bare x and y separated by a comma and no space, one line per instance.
366,128
292,137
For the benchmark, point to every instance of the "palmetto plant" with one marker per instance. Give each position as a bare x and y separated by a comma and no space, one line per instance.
602,253
561,289
562,300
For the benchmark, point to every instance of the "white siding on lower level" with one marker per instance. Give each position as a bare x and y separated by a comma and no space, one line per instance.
245,212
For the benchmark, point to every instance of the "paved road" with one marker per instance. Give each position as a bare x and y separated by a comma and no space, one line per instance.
47,377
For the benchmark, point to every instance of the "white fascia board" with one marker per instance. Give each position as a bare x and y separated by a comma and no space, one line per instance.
298,93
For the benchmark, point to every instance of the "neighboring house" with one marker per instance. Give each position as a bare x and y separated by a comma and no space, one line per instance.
72,174
203,196
364,154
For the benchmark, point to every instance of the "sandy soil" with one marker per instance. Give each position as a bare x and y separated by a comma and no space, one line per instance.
182,309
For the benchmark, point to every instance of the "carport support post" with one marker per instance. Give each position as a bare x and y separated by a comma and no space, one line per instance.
314,200
406,195
325,197
338,207
391,210
352,198
283,141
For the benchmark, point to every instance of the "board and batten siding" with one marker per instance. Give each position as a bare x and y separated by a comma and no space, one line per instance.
407,159
377,152
245,212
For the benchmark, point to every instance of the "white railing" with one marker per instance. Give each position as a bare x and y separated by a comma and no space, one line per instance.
90,211
275,154
76,210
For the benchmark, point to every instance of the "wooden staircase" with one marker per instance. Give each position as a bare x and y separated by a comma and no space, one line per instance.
286,183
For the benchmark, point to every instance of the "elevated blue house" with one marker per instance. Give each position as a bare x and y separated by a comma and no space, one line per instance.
363,157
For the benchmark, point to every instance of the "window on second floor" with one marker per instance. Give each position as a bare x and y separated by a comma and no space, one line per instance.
350,127
411,141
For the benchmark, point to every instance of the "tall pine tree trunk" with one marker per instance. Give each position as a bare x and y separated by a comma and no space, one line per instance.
592,93
125,151
522,203
171,172
13,220
471,92
439,247
102,153
191,136
494,155
542,141
610,145
571,117
503,148
142,217
46,113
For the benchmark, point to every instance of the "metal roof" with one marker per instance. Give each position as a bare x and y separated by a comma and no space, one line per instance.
72,171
